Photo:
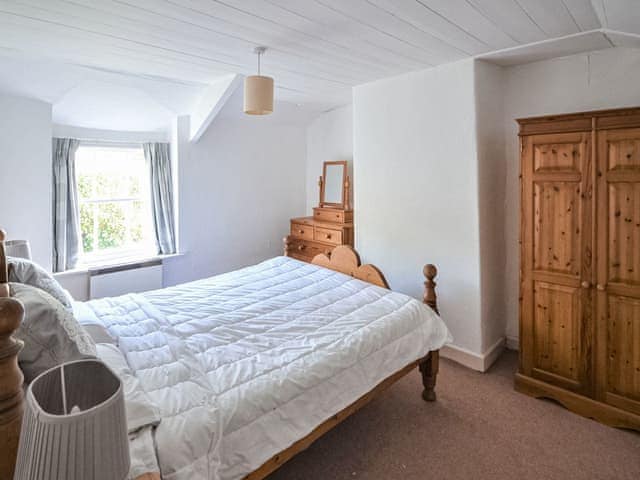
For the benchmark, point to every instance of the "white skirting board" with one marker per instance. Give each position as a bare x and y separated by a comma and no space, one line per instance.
472,360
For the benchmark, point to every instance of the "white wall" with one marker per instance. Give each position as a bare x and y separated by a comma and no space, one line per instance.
416,188
240,184
25,181
602,79
489,98
329,137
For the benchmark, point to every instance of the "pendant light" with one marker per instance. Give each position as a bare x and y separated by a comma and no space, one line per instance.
258,91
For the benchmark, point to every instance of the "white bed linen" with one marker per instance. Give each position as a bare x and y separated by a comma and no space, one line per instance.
242,365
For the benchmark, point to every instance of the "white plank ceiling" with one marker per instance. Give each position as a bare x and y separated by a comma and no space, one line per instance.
318,49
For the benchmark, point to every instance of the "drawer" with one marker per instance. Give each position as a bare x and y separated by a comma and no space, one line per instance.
308,250
300,230
328,235
326,215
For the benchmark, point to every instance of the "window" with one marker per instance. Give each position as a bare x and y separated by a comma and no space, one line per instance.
114,203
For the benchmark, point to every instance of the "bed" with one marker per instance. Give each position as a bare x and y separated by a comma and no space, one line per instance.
248,368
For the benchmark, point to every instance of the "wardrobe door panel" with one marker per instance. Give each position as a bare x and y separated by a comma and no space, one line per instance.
623,348
556,314
557,230
618,287
558,331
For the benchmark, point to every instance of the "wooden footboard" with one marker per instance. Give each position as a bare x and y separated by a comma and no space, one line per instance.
281,458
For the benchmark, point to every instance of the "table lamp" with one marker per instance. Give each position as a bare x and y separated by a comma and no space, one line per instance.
74,425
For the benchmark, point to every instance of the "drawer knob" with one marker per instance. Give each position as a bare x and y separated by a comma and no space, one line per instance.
300,232
601,287
328,235
586,284
301,247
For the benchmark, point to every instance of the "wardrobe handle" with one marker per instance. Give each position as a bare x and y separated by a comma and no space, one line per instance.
601,287
586,284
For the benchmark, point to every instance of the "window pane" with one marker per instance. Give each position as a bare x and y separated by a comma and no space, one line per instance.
113,189
85,186
134,185
110,186
87,216
111,225
137,222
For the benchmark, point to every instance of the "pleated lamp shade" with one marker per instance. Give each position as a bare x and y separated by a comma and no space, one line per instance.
258,95
74,425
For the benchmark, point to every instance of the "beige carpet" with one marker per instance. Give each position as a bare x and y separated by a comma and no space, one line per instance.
479,428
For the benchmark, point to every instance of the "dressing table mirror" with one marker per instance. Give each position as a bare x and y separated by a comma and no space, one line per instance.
334,185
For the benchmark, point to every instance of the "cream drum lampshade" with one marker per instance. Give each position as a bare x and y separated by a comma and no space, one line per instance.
258,95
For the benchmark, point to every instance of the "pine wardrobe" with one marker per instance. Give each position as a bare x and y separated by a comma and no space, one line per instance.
580,263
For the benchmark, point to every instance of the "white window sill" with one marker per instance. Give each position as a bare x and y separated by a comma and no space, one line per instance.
116,262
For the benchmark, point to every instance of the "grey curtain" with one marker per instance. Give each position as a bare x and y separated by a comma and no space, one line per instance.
66,224
157,156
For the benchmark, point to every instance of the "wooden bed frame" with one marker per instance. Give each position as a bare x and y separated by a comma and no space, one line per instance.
343,259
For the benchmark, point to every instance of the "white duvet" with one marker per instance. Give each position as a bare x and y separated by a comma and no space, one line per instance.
241,365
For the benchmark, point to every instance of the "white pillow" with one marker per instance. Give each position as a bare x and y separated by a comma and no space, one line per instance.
50,333
30,273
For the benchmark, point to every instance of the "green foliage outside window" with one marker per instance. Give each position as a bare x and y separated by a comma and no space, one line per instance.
103,223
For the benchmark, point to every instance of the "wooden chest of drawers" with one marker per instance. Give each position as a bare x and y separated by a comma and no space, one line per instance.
327,228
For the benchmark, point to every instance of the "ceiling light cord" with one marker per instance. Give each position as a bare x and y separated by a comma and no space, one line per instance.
259,51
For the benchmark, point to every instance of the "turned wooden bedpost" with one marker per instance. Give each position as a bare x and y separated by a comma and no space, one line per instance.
287,245
430,298
429,366
11,378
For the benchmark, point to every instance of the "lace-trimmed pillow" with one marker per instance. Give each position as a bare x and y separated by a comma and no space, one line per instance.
30,273
50,332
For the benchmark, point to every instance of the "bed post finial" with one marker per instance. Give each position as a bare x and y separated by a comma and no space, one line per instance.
430,298
287,245
11,380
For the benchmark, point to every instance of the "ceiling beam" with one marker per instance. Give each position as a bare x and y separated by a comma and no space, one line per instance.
212,101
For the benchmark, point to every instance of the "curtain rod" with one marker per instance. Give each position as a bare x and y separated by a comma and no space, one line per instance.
112,143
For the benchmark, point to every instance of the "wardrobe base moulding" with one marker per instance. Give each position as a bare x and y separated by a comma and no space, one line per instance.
601,412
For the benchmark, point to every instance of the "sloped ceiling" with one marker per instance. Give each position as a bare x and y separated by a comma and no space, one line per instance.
318,49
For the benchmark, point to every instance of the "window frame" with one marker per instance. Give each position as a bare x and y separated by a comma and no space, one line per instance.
146,249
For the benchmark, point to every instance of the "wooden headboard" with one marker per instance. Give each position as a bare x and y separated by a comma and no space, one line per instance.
345,259
11,378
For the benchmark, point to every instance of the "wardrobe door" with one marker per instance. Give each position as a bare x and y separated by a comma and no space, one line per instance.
557,239
618,279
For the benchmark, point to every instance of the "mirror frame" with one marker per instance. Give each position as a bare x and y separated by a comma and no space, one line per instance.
343,163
